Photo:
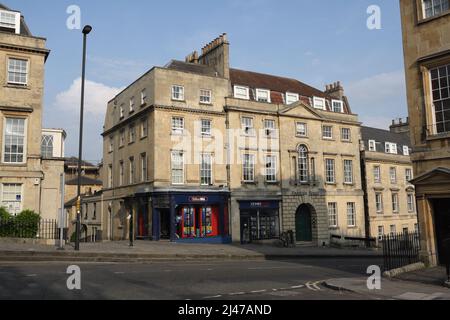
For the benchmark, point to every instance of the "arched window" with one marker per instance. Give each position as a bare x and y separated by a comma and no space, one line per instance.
47,146
303,168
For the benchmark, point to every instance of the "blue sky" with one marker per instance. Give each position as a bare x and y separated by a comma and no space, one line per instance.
317,42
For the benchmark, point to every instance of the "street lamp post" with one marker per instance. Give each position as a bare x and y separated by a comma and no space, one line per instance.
86,30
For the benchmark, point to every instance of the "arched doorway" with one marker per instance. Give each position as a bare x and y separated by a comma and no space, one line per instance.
303,224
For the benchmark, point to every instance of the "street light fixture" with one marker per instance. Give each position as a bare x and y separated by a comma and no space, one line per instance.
86,30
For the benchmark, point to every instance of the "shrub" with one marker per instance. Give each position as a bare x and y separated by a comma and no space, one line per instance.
4,215
27,224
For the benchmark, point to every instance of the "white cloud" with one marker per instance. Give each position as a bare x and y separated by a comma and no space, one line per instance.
379,99
97,96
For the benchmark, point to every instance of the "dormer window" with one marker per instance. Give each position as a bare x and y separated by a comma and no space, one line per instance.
241,92
338,106
372,145
263,95
405,150
292,98
391,148
10,21
319,103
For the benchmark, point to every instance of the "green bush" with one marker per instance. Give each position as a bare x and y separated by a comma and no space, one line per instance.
4,215
27,224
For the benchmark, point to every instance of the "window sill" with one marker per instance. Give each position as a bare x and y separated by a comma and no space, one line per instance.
349,184
272,183
249,183
328,139
17,86
144,137
301,136
330,183
179,100
207,104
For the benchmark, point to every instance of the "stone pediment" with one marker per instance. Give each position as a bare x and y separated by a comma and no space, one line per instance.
436,176
300,109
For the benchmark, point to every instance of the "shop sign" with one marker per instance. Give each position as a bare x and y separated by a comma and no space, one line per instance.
198,199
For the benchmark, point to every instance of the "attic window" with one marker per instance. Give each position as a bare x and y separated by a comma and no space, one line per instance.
291,98
372,145
263,95
10,20
319,103
391,147
338,106
241,92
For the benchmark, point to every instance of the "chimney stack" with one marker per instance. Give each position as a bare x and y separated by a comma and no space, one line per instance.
335,90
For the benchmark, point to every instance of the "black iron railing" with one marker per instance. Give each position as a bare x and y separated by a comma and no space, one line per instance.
400,250
45,229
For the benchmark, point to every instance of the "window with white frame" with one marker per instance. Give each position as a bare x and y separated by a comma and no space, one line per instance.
248,167
132,105
132,171
351,214
14,140
372,145
440,85
269,128
144,174
177,167
393,229
433,8
178,93
143,96
177,125
144,127
303,164
411,201
327,132
132,133
292,98
263,95
405,150
9,20
377,174
241,92
395,207
332,214
12,197
391,148
380,232
408,174
393,174
205,96
206,127
206,169
379,202
271,168
319,103
121,173
122,111
348,171
346,134
110,176
330,171
18,71
247,125
47,146
338,106
301,129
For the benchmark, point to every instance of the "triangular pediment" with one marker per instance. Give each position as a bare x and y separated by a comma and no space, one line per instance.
300,109
435,176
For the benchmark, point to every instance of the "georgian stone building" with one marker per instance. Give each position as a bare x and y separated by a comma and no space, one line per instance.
198,151
387,174
28,178
426,41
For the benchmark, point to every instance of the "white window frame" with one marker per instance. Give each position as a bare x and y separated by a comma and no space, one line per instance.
143,96
411,200
325,131
13,26
47,146
395,202
2,195
26,73
205,96
393,175
270,172
144,128
178,125
180,154
206,130
405,150
178,93
316,100
330,171
250,165
269,130
408,175
206,169
372,145
348,171
377,174
245,96
132,170
434,4
391,148
351,214
132,104
332,214
292,98
264,92
248,129
298,132
349,134
338,102
380,232
379,205
122,111
25,142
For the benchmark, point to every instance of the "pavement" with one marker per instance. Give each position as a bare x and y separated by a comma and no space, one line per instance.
147,250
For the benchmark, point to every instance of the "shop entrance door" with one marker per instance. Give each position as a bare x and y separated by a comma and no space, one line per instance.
442,226
165,224
245,230
303,225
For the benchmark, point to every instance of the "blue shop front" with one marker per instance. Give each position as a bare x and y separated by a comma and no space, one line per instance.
191,217
260,220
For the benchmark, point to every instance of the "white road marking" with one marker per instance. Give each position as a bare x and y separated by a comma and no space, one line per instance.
31,275
298,287
316,285
237,294
213,297
258,291
309,285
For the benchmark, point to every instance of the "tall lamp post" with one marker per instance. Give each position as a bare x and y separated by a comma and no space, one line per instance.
86,30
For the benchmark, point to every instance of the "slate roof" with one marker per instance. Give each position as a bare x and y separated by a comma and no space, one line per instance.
24,30
85,181
382,136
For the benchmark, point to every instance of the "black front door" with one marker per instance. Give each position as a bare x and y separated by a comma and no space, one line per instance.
442,228
165,224
303,224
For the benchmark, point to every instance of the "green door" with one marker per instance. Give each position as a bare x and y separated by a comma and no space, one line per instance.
303,224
